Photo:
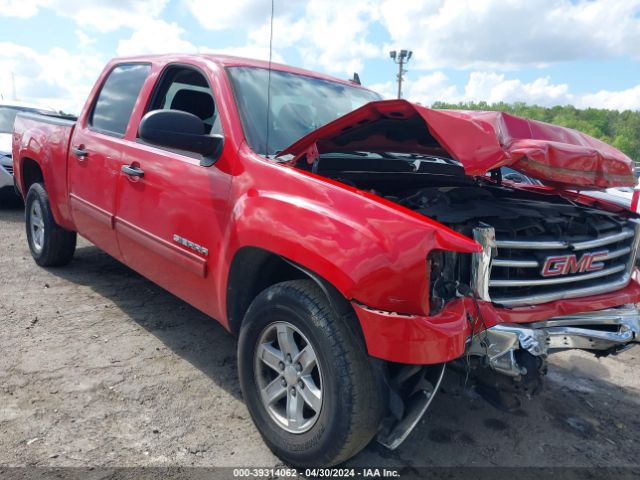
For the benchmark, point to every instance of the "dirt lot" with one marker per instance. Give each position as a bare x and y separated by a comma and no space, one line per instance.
99,367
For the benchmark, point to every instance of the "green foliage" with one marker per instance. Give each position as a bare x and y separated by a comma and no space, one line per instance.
620,129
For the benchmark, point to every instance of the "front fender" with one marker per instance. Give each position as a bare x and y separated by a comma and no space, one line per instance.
371,250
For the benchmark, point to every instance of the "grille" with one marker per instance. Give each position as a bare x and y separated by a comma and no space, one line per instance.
8,168
514,264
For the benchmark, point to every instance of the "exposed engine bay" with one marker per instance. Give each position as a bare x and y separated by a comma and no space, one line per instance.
514,215
529,228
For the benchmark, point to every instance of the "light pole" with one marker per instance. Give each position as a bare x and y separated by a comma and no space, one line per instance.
400,58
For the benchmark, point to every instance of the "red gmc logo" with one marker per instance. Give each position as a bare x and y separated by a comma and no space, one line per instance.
564,264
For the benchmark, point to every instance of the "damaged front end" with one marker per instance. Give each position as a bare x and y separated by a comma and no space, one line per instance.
602,332
544,259
511,359
523,271
536,250
546,253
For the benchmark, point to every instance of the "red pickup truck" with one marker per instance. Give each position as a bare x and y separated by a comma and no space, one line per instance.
356,246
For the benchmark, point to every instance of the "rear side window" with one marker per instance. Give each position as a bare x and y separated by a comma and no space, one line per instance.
117,98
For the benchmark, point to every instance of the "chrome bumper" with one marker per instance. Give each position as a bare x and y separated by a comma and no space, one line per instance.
605,330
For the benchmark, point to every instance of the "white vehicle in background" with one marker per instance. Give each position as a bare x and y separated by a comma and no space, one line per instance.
622,196
8,112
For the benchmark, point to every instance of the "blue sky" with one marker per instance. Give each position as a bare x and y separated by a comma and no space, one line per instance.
548,52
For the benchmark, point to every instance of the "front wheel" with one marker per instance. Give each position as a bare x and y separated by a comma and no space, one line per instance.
306,377
50,244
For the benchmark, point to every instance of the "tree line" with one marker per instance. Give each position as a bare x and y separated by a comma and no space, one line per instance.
620,129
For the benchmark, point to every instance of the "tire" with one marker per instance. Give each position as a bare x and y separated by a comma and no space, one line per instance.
50,244
347,417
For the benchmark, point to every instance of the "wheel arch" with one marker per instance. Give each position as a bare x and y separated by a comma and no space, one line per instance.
31,172
254,269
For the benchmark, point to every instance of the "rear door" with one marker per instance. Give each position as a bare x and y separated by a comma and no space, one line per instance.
96,152
170,221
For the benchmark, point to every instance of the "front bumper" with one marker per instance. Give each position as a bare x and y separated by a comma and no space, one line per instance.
605,331
422,340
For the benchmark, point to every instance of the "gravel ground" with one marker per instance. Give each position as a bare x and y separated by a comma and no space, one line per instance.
100,367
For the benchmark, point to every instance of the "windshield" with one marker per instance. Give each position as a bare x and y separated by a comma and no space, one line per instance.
8,116
298,104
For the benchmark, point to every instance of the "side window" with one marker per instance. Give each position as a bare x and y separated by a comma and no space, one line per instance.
117,98
186,89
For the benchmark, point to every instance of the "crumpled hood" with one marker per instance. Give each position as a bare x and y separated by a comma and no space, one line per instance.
5,143
480,141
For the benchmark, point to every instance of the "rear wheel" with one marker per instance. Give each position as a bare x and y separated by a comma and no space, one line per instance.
50,244
306,377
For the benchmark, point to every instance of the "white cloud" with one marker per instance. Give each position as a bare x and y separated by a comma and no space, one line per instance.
431,88
229,14
100,15
493,87
506,34
226,15
84,40
628,99
18,8
485,37
388,90
481,35
107,15
334,35
425,90
328,34
52,79
155,36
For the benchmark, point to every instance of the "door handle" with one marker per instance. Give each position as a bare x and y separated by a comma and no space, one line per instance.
80,152
132,171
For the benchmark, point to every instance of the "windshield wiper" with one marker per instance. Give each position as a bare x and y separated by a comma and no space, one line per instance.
347,154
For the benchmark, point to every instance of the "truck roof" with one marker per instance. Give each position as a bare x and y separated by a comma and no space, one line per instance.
231,61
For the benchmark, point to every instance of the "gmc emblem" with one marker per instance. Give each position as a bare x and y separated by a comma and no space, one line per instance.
564,264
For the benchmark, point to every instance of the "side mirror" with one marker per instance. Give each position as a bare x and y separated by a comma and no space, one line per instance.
181,130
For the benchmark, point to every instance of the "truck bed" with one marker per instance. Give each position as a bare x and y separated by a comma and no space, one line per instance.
54,118
47,139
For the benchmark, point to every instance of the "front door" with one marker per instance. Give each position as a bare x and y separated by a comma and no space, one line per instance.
170,220
95,155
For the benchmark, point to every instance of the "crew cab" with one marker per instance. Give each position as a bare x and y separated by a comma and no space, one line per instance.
358,247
